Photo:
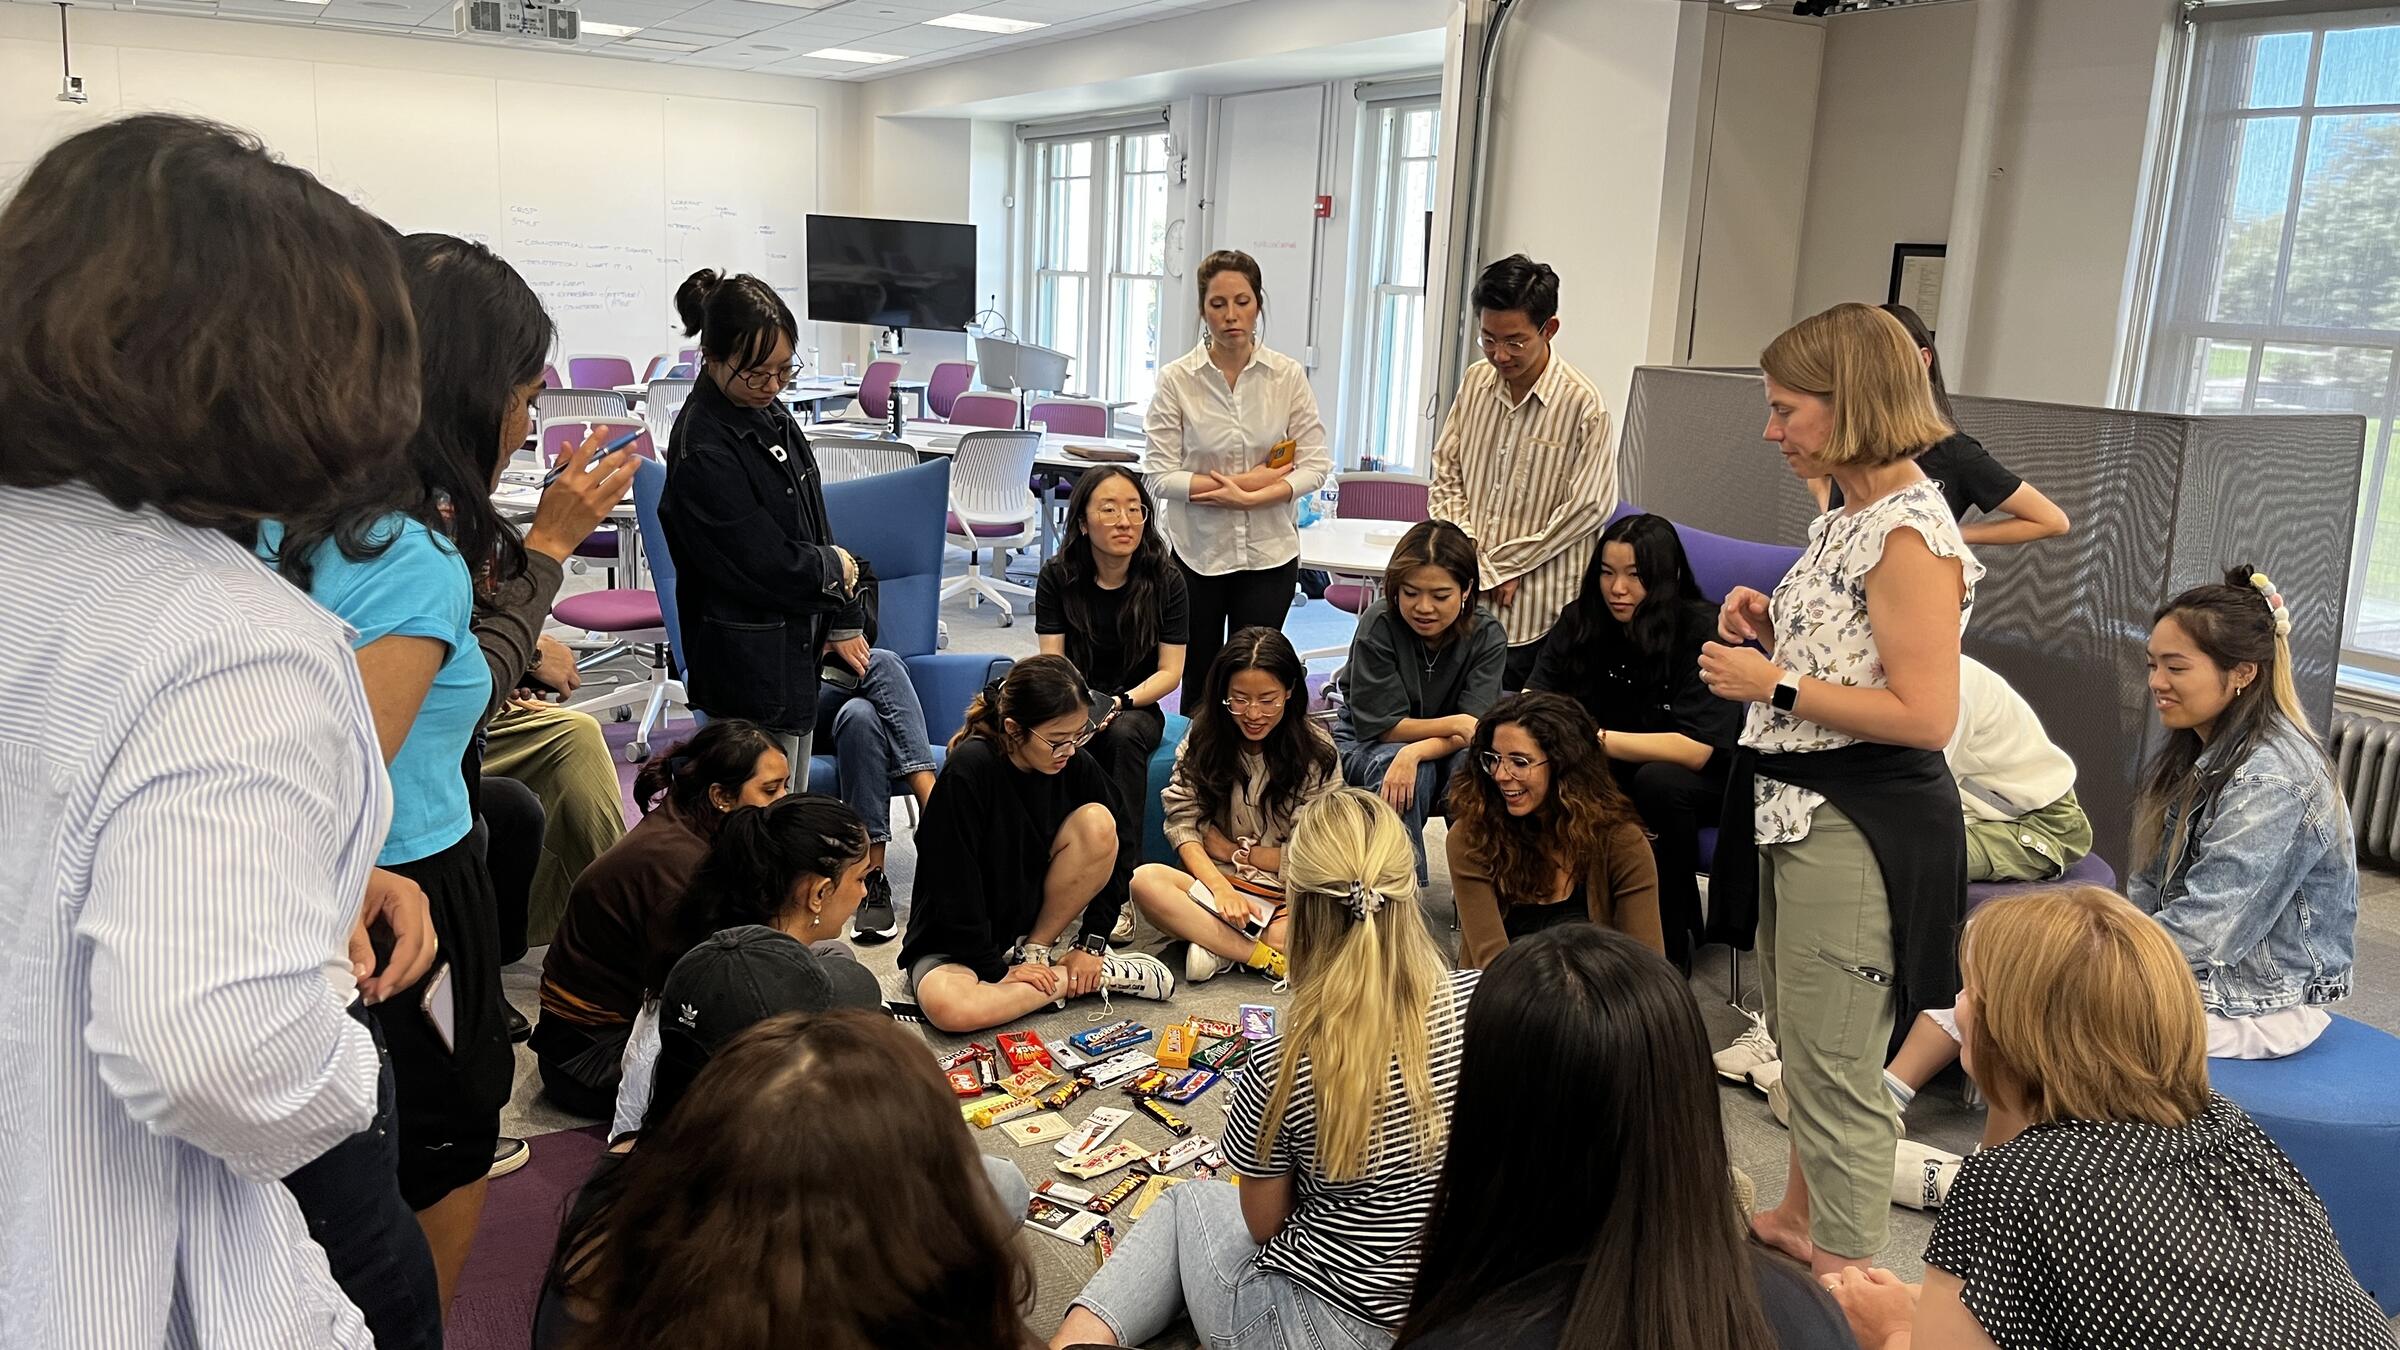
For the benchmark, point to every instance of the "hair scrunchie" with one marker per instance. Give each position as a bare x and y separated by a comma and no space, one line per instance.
2275,605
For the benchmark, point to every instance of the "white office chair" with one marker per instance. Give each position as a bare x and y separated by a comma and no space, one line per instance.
991,507
556,405
661,405
873,458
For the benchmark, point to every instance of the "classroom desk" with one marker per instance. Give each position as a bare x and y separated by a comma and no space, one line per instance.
1359,549
812,392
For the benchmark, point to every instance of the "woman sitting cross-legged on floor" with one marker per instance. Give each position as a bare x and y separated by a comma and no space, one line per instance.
1426,662
1018,843
1251,762
1540,835
592,973
1336,1126
2117,1201
798,866
1581,1034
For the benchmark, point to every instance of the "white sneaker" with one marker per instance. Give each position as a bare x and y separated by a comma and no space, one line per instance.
1749,1050
1123,932
1200,964
1768,1076
1778,1100
1921,1175
1137,974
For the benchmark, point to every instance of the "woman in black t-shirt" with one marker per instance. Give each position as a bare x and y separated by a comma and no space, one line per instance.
1627,647
1112,601
1629,1238
1966,473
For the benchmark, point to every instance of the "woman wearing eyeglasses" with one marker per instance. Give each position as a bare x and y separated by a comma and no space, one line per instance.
1112,601
762,589
1252,761
1018,844
1541,835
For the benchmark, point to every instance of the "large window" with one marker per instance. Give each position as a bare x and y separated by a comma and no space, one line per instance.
1402,139
2282,292
1100,257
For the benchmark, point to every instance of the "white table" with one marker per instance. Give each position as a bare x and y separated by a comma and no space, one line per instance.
1356,549
941,438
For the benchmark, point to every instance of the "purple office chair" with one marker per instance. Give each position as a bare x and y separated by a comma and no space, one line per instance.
550,378
599,372
875,389
985,408
1070,417
1375,496
942,388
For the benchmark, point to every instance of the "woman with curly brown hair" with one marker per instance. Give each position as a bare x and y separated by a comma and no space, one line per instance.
1542,835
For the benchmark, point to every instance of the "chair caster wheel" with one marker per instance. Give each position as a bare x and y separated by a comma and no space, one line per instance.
637,751
620,714
1008,621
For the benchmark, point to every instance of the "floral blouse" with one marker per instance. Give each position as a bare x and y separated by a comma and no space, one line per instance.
1822,633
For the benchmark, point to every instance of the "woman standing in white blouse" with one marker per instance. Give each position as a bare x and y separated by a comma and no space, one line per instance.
1235,440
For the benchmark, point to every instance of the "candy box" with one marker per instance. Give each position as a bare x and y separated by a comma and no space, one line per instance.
1024,1049
1111,1039
1186,1086
1175,1046
1213,1029
1045,1215
1258,1021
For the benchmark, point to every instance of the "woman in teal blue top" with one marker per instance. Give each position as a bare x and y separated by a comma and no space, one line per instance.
404,573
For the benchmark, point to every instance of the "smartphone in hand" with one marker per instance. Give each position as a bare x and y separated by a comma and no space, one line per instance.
1282,454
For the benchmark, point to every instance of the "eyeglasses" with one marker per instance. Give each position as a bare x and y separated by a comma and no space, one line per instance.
1517,765
1061,749
1118,515
1239,704
762,380
1516,345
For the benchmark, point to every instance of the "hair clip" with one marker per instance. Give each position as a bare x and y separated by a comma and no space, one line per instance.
2275,605
1363,901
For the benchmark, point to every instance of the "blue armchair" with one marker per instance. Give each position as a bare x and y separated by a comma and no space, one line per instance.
895,521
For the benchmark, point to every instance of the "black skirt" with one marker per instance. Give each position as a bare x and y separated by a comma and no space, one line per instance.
449,1097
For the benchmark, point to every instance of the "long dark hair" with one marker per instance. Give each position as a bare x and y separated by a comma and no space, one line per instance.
742,1221
1145,572
1584,805
2231,622
737,318
1581,1032
760,854
1295,750
1590,638
482,334
1038,689
195,326
1437,543
1923,337
724,754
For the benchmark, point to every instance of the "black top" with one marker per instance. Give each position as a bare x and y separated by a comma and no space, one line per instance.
1100,652
1799,1313
1393,676
2080,1235
757,582
1623,693
553,1324
1965,472
983,849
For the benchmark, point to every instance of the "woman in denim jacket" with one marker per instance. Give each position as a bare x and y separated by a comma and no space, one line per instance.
2245,850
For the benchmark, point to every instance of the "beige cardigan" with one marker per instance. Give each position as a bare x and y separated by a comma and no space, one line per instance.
1620,884
1185,822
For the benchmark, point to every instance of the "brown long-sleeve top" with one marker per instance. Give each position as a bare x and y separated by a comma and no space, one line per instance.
1620,885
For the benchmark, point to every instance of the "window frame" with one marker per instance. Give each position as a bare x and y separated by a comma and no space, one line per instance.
1383,161
1105,276
2201,209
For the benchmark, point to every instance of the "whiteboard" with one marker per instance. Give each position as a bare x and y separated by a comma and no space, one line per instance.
586,228
1266,153
741,179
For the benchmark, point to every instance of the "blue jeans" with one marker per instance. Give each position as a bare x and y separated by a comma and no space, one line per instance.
1192,1253
878,734
1364,764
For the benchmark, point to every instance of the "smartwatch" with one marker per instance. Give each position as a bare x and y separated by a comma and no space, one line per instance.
1787,691
1094,944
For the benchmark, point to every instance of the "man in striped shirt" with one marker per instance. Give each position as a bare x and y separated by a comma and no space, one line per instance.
1524,463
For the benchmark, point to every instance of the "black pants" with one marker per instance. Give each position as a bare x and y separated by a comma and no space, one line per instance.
1521,661
350,1196
1123,753
510,821
1224,605
580,1065
449,1096
1674,803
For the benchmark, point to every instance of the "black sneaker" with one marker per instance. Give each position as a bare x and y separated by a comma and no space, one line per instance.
519,1030
507,1156
875,919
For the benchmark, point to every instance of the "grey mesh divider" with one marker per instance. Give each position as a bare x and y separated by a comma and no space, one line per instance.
2159,502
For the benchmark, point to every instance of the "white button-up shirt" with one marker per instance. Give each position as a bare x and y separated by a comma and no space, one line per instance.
1199,426
191,796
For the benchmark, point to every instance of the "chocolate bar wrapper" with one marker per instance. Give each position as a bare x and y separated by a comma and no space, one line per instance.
1150,1082
1187,1086
1180,1153
1029,1082
1118,1068
1223,1055
983,1068
965,1082
1061,1222
1153,1186
1215,1030
1153,1108
1053,1189
1114,1196
1101,1161
959,1059
1103,1122
1258,1021
1058,1097
1007,1108
1047,1128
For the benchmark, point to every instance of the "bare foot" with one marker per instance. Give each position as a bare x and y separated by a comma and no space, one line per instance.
1774,1229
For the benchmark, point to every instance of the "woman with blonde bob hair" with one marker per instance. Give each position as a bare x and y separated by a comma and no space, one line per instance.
2117,1200
1337,1126
1853,692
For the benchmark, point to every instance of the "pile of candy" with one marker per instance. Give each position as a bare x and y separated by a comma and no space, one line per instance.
1023,1084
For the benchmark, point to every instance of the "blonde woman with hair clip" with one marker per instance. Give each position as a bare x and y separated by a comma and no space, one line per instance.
1337,1125
2242,844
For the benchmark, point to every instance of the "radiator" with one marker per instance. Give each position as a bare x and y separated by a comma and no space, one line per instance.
2366,762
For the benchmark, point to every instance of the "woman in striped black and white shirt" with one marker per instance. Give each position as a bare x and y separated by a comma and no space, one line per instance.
1337,1126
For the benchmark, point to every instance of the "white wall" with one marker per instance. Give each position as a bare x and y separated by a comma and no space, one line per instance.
1585,93
1761,131
2077,136
480,141
1893,106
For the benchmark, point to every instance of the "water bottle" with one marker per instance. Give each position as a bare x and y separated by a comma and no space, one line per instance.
892,413
1329,497
813,367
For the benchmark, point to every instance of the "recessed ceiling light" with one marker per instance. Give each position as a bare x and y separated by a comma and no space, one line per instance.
987,23
606,30
381,4
846,54
650,44
765,47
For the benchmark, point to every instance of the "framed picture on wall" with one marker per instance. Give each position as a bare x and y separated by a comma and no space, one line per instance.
1917,280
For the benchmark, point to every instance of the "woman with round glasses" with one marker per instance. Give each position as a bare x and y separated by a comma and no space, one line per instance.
763,591
1252,761
1112,601
1541,835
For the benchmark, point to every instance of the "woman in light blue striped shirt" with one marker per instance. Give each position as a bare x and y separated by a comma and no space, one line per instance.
194,337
